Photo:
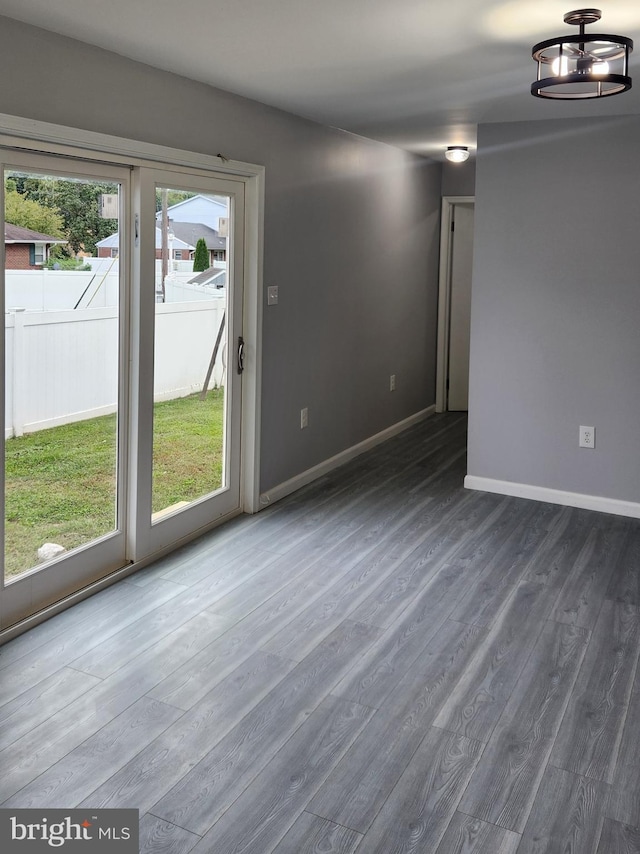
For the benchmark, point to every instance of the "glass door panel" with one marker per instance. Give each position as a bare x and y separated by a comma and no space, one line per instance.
191,350
62,354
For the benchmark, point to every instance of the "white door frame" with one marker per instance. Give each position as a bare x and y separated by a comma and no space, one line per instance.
444,295
47,138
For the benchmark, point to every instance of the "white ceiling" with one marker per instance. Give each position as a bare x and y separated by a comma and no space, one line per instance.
413,73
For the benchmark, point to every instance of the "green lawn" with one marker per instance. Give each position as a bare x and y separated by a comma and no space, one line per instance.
60,483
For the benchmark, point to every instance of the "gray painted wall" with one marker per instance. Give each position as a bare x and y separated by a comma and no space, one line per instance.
351,237
556,306
459,179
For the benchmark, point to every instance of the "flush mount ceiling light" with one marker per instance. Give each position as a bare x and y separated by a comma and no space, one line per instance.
457,153
581,65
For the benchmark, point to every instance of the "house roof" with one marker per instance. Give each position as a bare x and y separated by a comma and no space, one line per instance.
191,231
194,201
213,275
18,234
111,242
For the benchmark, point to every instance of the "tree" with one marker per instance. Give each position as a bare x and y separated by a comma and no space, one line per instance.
77,202
173,197
19,210
201,256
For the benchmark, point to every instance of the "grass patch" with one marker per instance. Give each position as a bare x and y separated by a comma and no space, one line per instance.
60,483
187,448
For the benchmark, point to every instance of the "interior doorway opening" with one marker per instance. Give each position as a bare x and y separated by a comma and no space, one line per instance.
454,303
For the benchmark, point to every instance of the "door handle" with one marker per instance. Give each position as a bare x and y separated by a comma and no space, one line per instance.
240,354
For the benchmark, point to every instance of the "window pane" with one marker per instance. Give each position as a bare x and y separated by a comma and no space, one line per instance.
61,375
190,406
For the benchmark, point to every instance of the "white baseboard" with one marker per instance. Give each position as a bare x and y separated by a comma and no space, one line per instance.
554,496
305,477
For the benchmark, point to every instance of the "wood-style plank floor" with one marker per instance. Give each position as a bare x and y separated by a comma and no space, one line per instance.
384,662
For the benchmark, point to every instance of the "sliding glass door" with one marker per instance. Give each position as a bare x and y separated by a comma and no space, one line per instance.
123,359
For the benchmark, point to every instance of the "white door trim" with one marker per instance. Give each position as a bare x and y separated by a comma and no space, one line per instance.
444,295
31,134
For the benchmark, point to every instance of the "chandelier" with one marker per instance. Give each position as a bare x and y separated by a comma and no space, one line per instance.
582,65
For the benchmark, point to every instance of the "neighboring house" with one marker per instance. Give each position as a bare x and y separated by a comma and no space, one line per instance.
25,249
200,216
182,245
190,220
191,232
204,209
108,247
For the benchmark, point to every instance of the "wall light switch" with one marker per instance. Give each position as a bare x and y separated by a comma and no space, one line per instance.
272,295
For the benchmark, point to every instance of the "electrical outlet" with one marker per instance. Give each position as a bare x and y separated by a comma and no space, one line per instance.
587,437
272,295
304,418
392,382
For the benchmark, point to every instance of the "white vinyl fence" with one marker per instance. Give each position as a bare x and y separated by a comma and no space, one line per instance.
62,366
50,290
